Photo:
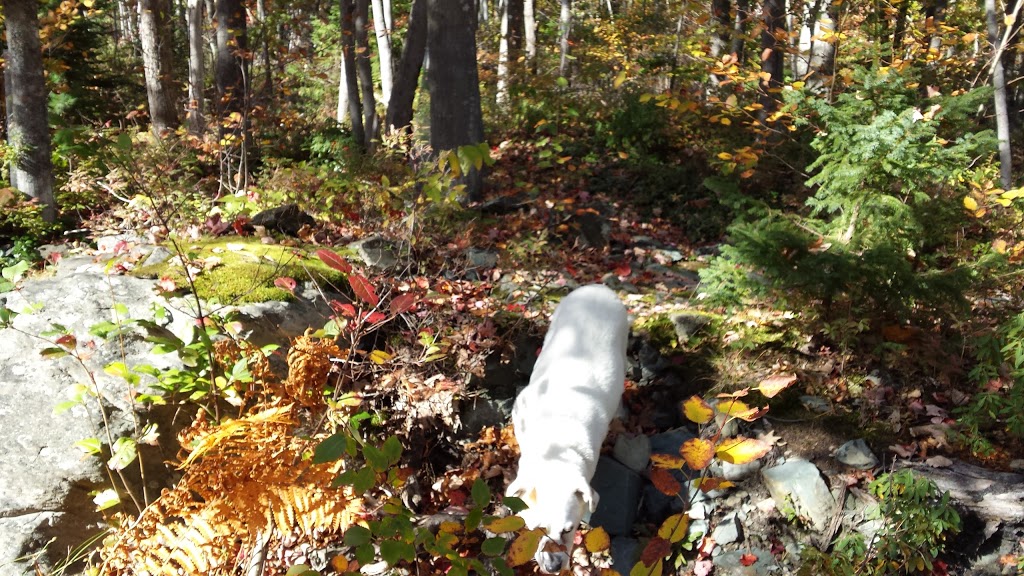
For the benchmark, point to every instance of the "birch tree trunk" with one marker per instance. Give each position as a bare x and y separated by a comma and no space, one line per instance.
341,116
196,68
382,30
564,27
530,31
158,64
509,46
399,114
999,83
28,130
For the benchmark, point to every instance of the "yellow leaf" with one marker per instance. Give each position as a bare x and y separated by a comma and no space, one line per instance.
506,524
674,528
798,85
641,569
732,407
726,121
999,246
1008,20
1012,194
724,156
772,385
742,450
698,453
697,410
597,540
379,357
970,203
523,548
623,154
667,461
619,79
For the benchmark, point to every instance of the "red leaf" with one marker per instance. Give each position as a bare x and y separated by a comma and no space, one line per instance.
334,261
346,310
166,284
375,317
403,303
665,482
748,559
623,269
286,283
363,289
656,549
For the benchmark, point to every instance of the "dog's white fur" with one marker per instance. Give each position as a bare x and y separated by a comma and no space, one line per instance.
562,417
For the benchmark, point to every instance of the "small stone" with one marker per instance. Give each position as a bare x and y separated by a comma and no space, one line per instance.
633,450
477,258
799,492
856,454
729,530
375,251
619,489
687,325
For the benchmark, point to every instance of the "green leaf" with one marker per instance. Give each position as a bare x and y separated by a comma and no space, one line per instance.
375,458
392,551
360,480
493,546
106,499
301,570
392,450
90,446
117,370
103,329
65,406
53,352
125,450
481,493
331,448
14,272
474,518
357,535
365,554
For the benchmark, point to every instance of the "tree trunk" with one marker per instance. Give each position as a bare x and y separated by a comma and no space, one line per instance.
127,16
739,29
530,31
158,64
509,46
772,52
341,115
196,68
348,49
934,14
407,76
267,90
28,130
564,27
999,83
382,30
232,77
364,69
455,116
720,39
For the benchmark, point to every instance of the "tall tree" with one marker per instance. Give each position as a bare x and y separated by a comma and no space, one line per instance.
348,59
28,131
455,115
530,34
364,70
231,75
509,45
773,48
999,83
407,76
382,29
158,64
564,28
196,67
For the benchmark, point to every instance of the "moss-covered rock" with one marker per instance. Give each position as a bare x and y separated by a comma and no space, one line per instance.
243,270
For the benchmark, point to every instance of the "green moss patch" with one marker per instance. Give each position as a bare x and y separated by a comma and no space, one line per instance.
243,270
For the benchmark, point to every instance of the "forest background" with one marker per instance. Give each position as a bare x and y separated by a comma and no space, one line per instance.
844,170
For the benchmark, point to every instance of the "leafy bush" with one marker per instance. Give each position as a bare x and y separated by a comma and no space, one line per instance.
888,181
915,519
998,408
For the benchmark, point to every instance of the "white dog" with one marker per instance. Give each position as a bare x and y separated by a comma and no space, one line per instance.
562,417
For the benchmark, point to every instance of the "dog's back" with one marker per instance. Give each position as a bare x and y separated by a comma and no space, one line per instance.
577,381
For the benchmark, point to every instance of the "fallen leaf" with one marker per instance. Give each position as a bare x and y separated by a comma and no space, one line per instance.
597,540
939,462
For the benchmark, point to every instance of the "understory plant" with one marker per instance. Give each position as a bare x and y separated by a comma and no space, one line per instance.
997,410
915,521
878,234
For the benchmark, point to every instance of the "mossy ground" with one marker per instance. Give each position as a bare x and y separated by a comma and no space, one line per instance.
243,270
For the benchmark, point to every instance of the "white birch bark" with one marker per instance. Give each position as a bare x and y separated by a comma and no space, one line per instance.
383,33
